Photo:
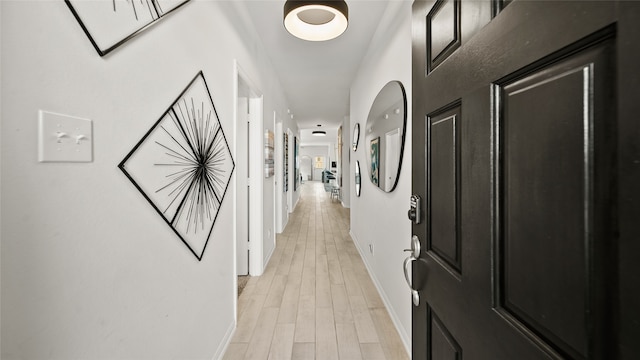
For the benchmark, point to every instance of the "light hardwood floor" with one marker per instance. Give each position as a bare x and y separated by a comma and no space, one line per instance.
315,300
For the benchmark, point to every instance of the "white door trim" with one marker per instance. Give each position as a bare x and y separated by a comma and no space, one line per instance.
254,154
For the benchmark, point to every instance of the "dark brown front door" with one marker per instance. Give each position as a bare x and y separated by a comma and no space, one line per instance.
526,154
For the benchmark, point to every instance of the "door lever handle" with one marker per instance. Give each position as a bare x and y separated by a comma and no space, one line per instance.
415,254
414,293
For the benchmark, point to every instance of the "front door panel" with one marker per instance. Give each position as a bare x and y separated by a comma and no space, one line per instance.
441,344
514,153
444,205
547,171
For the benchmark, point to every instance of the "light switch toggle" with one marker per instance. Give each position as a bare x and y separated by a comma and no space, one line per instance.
80,137
61,135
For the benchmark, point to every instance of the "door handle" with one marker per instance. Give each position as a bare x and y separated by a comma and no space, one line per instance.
415,254
414,293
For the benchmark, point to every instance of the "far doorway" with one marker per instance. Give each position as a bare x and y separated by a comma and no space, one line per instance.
306,169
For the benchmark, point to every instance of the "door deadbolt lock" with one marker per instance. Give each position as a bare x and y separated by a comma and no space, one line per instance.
414,209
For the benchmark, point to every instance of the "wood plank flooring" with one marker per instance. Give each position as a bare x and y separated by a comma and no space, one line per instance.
315,300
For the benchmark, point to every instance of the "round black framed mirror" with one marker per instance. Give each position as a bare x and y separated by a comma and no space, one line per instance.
358,186
356,136
385,135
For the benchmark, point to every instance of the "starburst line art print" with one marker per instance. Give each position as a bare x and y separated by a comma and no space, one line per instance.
152,6
183,166
111,23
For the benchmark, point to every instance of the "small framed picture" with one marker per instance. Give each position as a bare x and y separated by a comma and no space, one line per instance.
375,161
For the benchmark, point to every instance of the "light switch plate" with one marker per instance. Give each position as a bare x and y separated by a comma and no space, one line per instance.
64,138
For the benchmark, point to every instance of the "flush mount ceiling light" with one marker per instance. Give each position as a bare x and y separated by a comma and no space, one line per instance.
316,20
318,133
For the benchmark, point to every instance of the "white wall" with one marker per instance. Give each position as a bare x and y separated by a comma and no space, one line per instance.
281,195
268,204
282,215
380,218
89,270
273,186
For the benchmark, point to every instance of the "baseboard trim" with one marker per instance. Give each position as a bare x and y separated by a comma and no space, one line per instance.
226,340
268,258
406,339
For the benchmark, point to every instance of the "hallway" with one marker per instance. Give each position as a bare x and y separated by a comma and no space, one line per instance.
315,299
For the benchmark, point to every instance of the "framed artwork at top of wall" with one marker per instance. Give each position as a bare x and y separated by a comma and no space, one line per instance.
111,23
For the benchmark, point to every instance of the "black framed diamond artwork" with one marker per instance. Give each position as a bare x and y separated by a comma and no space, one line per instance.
111,23
183,166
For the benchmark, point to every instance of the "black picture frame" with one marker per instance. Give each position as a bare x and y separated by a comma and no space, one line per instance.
269,151
125,19
357,178
296,163
375,161
285,172
183,166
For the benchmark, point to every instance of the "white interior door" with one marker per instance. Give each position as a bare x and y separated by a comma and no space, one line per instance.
249,176
391,156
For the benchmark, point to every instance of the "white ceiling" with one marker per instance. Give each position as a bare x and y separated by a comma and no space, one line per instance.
317,76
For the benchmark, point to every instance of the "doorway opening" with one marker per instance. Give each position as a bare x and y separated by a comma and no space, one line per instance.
306,168
248,196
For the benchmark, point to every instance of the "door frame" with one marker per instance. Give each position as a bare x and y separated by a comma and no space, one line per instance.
254,154
291,169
